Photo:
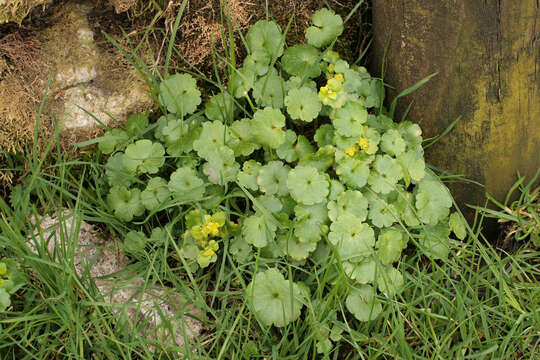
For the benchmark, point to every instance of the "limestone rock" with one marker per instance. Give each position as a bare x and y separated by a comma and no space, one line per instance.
93,253
88,81
141,308
91,83
149,308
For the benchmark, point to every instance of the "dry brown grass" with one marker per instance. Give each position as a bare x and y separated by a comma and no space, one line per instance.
17,10
20,90
203,31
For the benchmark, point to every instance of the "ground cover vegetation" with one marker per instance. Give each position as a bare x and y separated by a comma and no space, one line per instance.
288,206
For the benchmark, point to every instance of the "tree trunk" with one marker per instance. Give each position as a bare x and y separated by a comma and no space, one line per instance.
487,54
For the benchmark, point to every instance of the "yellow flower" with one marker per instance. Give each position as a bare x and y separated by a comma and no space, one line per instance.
333,84
339,77
331,56
208,252
351,151
210,228
210,249
364,143
331,68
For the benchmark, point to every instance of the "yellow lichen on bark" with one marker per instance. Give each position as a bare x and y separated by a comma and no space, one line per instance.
487,55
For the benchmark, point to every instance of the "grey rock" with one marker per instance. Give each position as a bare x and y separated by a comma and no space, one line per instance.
151,309
88,81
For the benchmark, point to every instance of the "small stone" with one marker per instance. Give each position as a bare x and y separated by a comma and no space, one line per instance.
138,303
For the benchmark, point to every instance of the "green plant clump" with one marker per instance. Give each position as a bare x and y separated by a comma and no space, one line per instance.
11,280
295,162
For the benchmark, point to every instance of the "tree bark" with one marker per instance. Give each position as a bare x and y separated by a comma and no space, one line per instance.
487,54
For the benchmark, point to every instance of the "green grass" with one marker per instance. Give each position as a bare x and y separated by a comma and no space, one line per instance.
481,303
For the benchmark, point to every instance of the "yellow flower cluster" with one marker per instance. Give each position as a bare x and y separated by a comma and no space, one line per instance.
364,143
331,57
332,94
210,249
210,228
203,229
352,150
329,93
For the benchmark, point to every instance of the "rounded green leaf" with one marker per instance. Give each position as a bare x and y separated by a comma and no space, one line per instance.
179,94
433,200
135,242
275,300
352,238
363,304
179,135
294,82
265,37
303,104
116,173
389,281
258,63
242,81
295,248
435,241
125,203
220,107
136,124
320,160
413,165
294,148
411,133
212,144
244,144
5,300
240,250
222,169
301,60
324,135
307,185
363,272
392,143
457,225
327,27
389,245
381,213
405,207
155,194
113,140
348,120
269,203
350,201
185,185
310,222
257,231
336,188
248,176
269,90
386,174
143,156
267,127
272,178
353,172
